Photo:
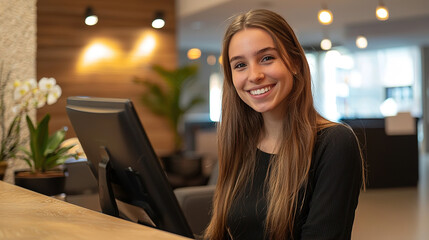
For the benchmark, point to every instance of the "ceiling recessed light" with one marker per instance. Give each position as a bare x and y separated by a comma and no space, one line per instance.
361,42
325,16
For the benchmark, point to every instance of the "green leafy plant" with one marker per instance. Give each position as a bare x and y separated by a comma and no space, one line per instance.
10,139
165,101
10,133
45,151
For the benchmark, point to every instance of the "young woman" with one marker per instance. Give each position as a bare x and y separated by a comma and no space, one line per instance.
285,172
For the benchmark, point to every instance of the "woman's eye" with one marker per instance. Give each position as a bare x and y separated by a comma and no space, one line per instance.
267,58
239,65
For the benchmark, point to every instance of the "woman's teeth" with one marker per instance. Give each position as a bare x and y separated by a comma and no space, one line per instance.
260,91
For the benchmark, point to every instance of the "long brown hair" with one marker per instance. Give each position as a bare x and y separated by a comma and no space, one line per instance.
241,127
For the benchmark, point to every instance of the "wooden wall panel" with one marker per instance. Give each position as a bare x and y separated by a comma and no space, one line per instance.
62,38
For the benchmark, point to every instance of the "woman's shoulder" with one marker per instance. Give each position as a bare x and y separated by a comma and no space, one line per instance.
336,148
337,138
335,131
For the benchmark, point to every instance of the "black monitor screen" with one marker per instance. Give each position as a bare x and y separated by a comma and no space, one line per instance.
132,183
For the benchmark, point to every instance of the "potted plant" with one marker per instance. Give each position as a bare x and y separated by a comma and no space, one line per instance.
43,156
9,142
165,101
10,133
45,152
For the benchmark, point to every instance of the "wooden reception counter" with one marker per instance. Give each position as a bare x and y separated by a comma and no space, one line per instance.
28,215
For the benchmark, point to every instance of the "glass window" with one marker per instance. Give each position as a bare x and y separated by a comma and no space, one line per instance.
365,84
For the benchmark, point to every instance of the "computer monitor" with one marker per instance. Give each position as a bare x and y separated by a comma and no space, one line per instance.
132,183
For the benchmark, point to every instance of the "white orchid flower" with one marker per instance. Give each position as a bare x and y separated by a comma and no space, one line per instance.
41,102
31,94
47,84
16,84
54,94
20,91
38,99
31,83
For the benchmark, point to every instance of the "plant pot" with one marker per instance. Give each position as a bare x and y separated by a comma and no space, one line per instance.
49,183
186,164
3,167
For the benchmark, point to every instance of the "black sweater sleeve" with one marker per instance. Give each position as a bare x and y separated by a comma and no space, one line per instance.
335,182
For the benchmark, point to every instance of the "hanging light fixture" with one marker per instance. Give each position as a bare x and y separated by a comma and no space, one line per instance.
361,41
326,44
381,12
158,21
325,16
90,18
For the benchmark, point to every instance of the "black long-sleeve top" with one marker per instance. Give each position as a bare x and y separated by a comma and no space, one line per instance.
331,198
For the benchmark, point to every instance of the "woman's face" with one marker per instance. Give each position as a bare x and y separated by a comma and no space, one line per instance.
259,75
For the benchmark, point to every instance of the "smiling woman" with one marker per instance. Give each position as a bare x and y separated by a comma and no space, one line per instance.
285,172
259,74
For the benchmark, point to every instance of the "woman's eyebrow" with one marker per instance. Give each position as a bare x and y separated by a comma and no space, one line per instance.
235,58
263,50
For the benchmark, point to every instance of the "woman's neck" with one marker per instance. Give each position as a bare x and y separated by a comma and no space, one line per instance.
271,134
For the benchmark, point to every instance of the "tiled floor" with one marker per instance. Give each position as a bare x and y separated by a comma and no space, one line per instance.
395,214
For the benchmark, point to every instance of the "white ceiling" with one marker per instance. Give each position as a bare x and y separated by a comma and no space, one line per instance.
202,22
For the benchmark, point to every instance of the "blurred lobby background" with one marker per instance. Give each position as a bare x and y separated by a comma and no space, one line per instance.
374,81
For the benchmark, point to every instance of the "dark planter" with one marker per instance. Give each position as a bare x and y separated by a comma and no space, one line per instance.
3,167
186,164
184,169
49,183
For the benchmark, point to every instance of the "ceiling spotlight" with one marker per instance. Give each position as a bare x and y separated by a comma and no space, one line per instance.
90,18
325,16
381,12
159,21
361,42
326,44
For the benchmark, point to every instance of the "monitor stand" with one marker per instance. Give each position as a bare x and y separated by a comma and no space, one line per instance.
141,210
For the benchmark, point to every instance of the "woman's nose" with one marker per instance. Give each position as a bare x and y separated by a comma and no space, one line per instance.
255,74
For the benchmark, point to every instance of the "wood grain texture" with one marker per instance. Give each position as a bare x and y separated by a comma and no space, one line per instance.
62,38
28,215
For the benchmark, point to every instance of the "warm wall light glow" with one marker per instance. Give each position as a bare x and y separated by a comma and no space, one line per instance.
220,60
97,52
325,17
211,60
100,54
215,97
326,44
146,45
382,13
194,53
361,42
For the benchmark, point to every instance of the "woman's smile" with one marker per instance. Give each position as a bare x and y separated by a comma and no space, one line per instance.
262,91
